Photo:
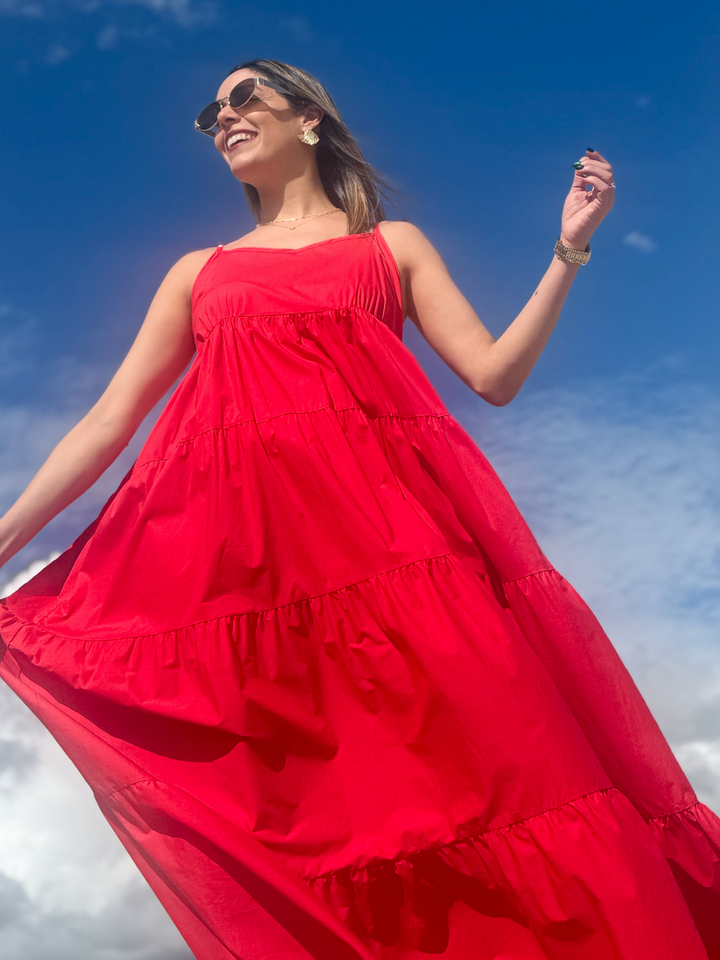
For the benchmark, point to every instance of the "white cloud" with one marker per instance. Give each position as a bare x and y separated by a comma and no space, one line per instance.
19,340
186,13
108,36
299,28
58,53
22,8
68,890
26,439
701,761
111,35
639,241
27,574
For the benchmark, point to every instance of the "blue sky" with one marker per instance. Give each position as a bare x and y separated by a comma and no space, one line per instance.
474,113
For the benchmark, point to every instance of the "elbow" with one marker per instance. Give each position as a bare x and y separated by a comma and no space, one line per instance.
109,431
498,395
495,383
498,401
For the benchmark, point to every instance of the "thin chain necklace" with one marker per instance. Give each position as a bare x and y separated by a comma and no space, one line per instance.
308,216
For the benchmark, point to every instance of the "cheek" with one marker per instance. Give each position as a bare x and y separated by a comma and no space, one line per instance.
278,134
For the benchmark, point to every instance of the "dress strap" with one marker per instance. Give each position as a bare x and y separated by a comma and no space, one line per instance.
203,269
391,266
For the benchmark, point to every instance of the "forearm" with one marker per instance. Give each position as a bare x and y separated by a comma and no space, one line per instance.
72,467
503,365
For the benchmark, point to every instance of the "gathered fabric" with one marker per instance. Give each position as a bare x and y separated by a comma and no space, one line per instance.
325,686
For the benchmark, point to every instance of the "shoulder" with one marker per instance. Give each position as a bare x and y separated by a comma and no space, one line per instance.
190,265
402,232
408,244
181,276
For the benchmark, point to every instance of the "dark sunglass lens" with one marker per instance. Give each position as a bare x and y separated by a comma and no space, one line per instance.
240,94
208,118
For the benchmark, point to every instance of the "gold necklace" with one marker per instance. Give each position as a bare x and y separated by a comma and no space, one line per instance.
308,216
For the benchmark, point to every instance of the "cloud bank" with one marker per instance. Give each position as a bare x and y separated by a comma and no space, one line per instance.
68,891
619,482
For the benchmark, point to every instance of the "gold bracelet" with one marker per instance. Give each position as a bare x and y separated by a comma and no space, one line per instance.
570,255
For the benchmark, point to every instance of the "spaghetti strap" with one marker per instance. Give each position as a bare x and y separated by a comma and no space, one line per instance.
391,264
218,249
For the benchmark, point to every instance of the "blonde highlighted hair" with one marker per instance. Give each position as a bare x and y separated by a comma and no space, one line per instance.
349,180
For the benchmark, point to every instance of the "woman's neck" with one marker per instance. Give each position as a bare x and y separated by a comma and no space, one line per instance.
301,197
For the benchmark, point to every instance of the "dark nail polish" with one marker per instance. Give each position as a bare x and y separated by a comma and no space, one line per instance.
590,150
578,165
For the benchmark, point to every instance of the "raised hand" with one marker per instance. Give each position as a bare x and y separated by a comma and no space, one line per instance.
584,209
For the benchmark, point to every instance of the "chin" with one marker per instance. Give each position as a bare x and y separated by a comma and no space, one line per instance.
238,164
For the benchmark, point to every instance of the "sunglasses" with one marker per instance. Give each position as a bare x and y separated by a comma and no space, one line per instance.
240,94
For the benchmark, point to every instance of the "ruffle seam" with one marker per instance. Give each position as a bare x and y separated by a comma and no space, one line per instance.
234,616
297,413
434,848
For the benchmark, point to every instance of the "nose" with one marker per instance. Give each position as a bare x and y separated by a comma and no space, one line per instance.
226,113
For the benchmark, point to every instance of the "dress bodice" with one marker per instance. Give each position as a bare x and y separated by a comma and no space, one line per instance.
354,271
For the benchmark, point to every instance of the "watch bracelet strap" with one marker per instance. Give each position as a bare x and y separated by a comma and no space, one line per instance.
570,255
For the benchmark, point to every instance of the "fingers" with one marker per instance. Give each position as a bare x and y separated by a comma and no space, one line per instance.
597,167
591,176
593,165
600,185
594,155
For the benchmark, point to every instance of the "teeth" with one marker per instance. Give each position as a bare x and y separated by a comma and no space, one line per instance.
238,137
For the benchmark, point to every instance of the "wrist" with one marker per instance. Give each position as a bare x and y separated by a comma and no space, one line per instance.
11,541
574,255
566,265
574,243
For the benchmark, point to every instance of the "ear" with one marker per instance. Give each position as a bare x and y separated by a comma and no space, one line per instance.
312,115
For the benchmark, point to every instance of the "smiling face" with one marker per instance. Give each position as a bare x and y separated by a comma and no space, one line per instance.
260,139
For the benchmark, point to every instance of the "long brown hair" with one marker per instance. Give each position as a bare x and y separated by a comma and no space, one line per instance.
349,181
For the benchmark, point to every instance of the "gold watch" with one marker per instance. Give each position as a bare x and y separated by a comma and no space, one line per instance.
570,255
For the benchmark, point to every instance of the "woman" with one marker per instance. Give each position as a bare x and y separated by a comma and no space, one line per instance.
327,690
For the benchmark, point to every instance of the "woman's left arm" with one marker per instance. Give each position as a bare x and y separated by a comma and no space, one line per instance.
496,369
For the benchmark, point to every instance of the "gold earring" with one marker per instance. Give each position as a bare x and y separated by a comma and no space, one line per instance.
309,137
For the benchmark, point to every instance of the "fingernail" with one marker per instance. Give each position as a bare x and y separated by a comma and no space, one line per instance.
578,165
590,150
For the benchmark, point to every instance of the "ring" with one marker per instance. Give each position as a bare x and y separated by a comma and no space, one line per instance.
612,184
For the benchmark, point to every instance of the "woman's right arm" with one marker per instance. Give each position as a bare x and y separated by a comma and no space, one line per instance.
162,349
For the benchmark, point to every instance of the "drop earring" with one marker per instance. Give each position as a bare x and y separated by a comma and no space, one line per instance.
309,137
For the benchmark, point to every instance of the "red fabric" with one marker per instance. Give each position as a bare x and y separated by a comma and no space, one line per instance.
325,686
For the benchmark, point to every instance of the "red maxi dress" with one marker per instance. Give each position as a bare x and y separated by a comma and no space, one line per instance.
326,688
